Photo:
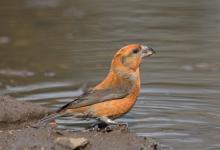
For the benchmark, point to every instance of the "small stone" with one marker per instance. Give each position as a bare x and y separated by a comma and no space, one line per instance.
202,66
69,143
188,68
49,74
10,132
4,40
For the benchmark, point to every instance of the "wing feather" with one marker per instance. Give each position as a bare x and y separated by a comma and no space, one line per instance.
97,96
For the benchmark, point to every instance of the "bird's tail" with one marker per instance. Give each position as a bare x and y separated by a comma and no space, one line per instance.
45,120
50,117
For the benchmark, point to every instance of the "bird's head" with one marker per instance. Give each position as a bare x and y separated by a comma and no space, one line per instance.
124,71
130,56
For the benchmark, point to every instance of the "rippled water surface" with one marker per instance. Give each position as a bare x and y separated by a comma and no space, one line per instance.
50,48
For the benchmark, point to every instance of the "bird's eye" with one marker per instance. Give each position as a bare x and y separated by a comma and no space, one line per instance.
135,51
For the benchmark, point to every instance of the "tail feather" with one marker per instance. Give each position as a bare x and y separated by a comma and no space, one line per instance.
45,120
51,117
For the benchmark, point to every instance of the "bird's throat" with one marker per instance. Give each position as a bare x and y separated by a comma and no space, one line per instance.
119,79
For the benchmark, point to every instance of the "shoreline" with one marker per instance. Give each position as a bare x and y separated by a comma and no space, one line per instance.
16,134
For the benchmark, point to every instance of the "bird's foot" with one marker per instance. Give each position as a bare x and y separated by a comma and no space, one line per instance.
97,126
105,124
122,126
113,125
103,127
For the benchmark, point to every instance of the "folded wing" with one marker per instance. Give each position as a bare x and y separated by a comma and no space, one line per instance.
97,96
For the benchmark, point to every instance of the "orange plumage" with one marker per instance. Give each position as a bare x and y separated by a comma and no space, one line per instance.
116,94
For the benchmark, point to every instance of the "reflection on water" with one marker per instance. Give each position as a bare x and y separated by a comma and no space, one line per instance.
49,48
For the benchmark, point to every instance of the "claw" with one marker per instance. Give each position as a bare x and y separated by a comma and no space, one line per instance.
109,128
125,124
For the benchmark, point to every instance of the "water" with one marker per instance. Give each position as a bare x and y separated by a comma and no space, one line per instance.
50,48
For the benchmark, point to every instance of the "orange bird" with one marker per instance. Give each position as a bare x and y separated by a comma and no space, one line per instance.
116,94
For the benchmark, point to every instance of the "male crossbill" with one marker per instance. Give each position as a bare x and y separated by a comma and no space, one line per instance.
116,94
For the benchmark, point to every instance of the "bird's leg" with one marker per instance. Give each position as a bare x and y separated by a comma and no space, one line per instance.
110,124
106,124
107,121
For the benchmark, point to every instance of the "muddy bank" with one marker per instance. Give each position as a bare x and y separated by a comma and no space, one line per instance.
46,138
16,134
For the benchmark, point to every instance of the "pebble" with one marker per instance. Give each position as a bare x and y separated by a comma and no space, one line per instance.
70,143
4,40
49,74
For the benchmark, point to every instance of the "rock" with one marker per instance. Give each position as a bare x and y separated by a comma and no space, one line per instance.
49,74
5,40
12,111
69,143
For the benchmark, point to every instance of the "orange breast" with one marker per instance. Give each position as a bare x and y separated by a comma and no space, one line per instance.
113,108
